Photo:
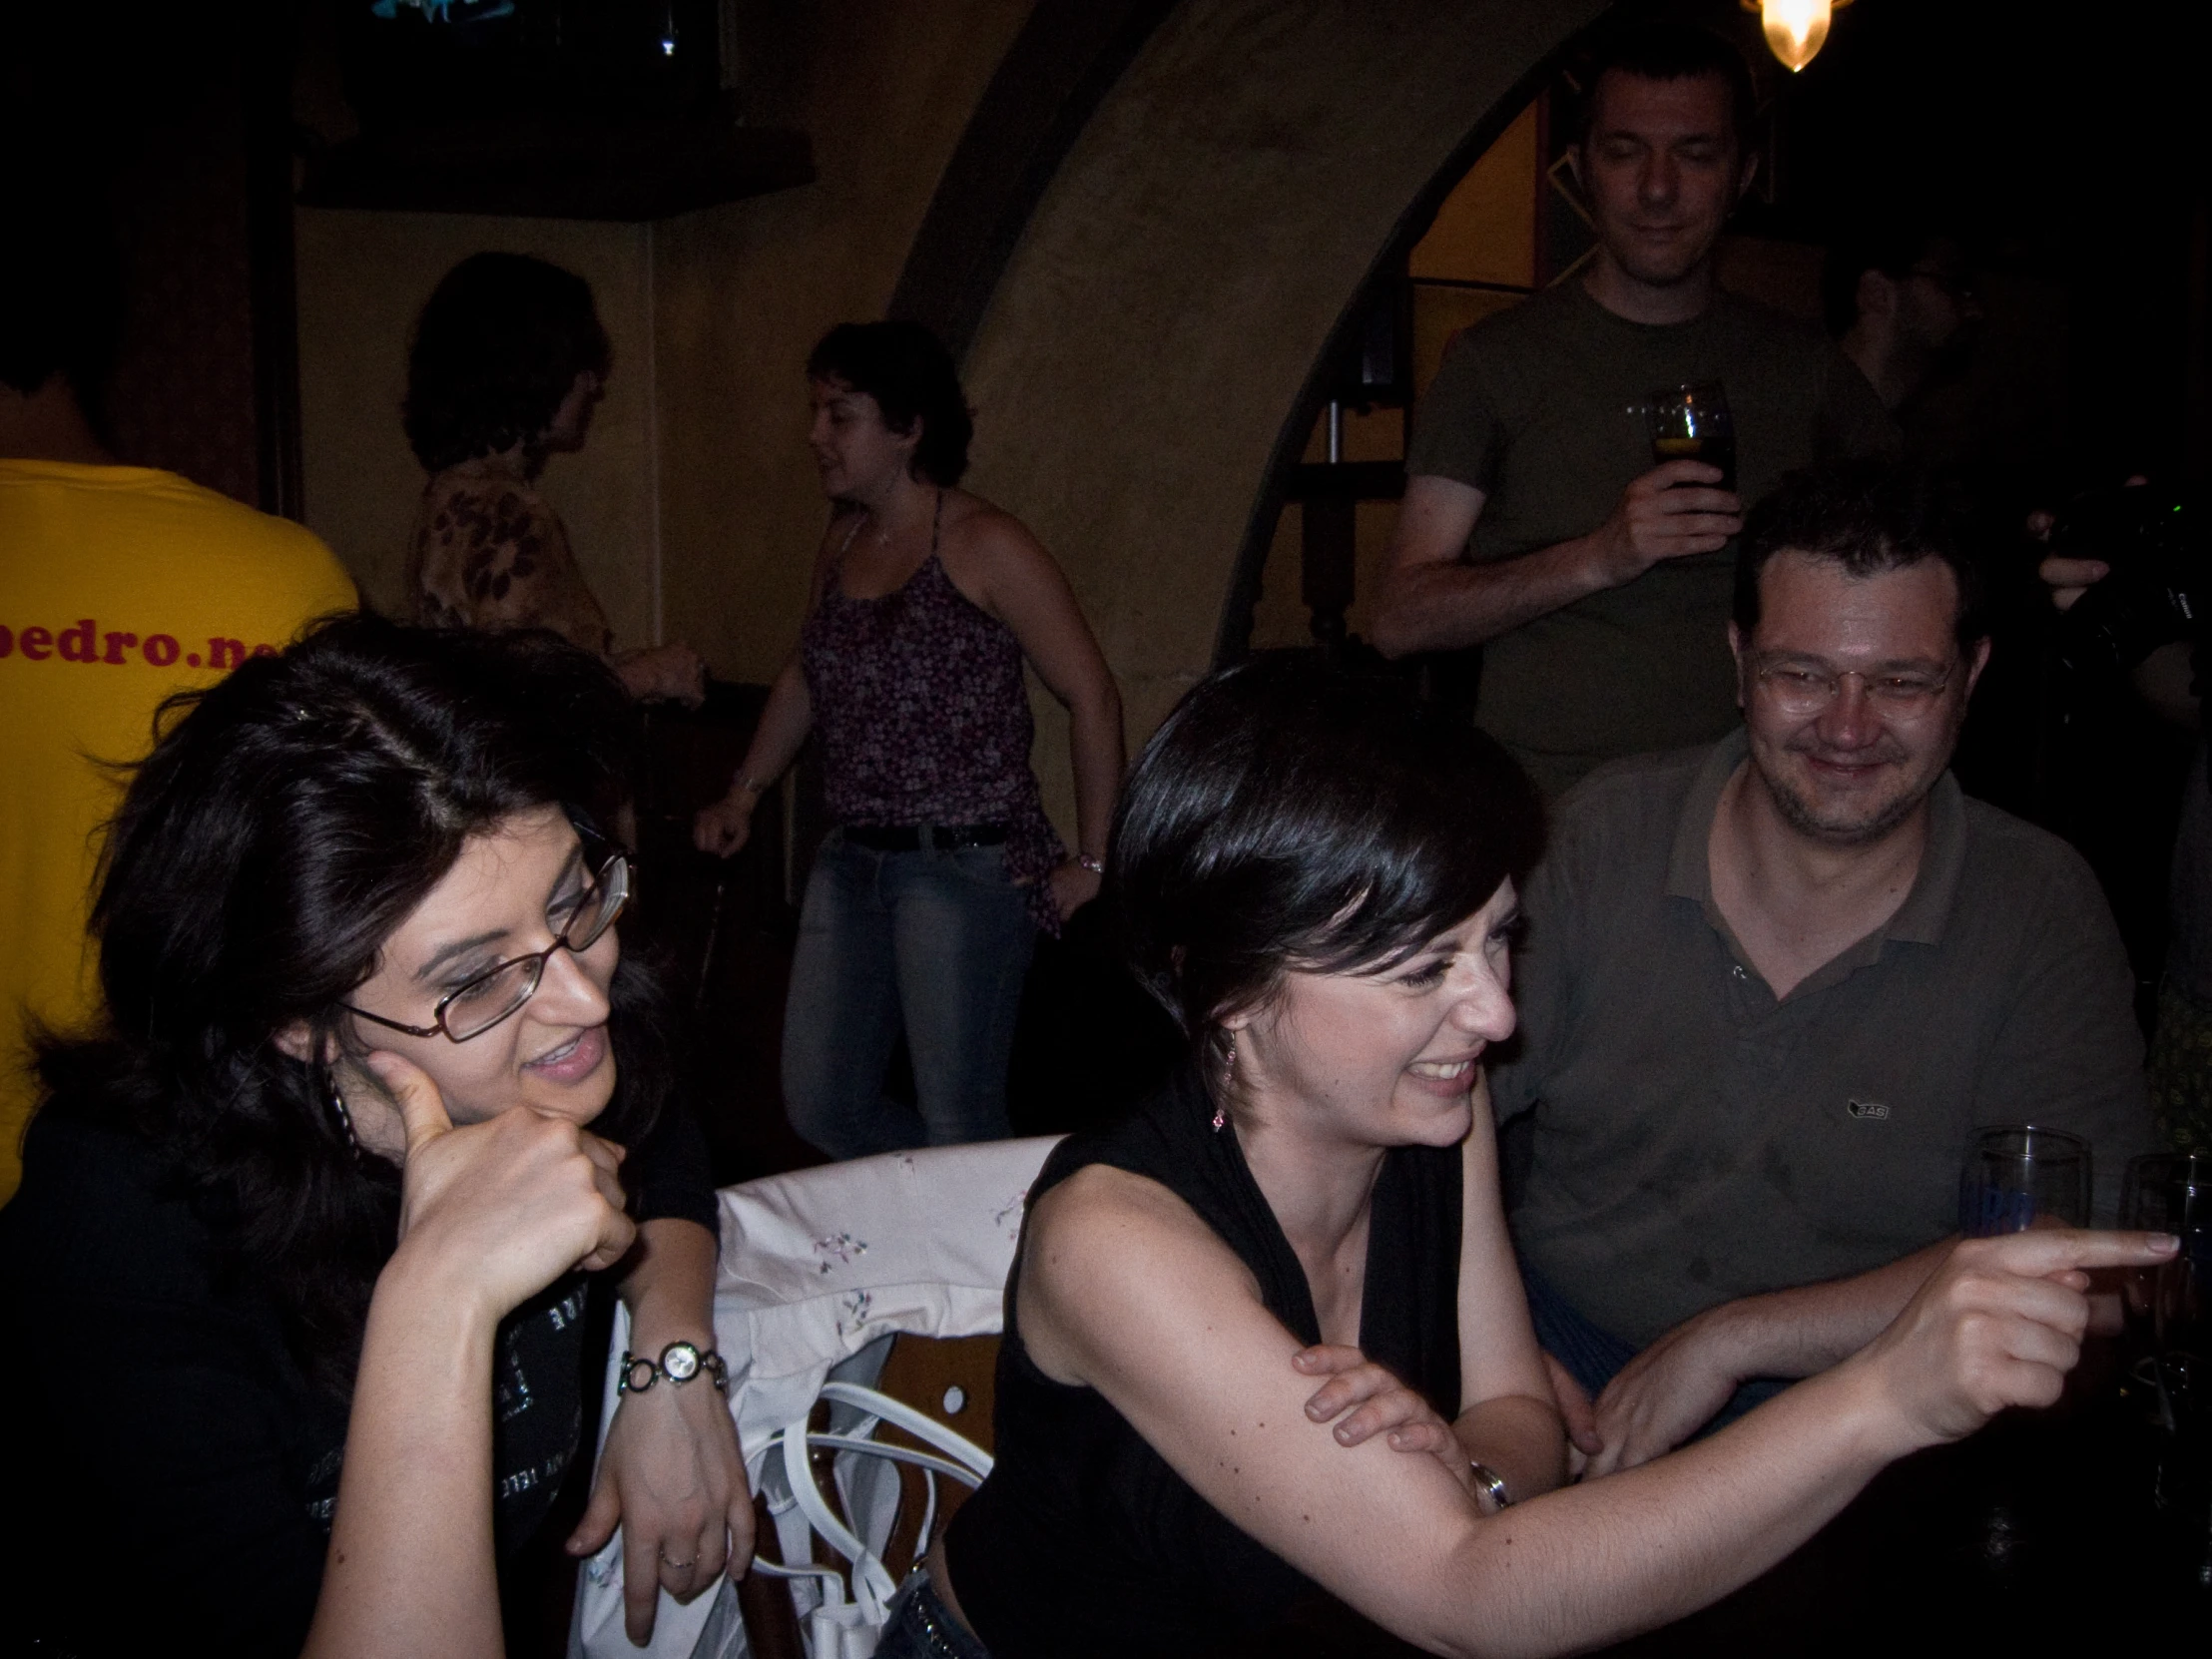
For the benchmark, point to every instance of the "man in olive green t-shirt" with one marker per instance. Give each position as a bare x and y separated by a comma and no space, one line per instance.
1535,524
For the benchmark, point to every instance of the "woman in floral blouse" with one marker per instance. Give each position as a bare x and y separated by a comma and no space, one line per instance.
508,361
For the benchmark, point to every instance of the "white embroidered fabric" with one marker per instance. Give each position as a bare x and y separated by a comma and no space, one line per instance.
819,1269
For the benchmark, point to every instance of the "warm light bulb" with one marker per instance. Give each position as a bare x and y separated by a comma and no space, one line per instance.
1795,29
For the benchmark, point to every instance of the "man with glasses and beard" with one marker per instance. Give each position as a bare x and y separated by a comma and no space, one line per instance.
1771,984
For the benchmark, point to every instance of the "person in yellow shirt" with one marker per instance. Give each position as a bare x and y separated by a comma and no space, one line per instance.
119,585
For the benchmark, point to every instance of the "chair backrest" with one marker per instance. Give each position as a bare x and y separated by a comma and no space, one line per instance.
818,1268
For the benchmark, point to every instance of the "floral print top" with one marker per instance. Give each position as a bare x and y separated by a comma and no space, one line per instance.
489,553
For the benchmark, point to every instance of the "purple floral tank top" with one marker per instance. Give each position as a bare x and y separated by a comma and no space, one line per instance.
924,718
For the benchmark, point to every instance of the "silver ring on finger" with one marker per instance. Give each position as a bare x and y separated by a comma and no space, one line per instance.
680,1566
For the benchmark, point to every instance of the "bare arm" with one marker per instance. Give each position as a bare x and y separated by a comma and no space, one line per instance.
1675,1386
491,1214
1507,1416
1125,1291
671,1476
1507,1420
1434,599
727,826
1027,590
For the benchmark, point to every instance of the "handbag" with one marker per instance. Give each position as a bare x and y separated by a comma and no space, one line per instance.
850,1610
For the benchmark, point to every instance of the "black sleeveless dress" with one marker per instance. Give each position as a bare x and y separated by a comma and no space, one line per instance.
1083,1541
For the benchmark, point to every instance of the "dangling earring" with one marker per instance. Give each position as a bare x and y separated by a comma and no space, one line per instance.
1228,1077
337,1107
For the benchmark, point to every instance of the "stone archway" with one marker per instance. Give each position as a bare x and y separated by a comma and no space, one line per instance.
1161,317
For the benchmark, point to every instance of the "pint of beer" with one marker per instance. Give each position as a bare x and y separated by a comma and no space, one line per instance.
1692,423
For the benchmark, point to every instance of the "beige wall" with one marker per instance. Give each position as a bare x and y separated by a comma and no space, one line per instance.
1155,328
1150,337
696,494
744,291
363,279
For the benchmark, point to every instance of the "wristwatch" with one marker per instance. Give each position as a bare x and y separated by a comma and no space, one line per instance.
1489,1483
679,1364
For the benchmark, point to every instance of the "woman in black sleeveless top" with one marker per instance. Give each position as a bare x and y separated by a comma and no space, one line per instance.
1315,877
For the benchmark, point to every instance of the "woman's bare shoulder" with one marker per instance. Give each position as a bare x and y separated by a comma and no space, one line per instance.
1103,1221
1110,1257
971,521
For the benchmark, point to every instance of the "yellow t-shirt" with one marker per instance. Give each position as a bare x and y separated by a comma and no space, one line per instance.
118,586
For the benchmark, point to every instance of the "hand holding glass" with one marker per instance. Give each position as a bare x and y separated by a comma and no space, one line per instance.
1693,423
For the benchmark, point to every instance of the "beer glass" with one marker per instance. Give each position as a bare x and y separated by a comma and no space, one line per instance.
1691,423
2020,1176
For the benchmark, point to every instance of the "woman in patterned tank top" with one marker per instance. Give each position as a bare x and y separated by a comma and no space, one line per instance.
925,605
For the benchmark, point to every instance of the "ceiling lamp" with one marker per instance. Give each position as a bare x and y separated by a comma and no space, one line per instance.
1796,30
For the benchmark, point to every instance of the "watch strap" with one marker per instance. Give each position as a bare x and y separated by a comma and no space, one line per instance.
678,1365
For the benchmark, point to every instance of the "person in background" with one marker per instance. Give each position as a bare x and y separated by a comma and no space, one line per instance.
1900,299
507,364
1741,1168
1535,524
924,605
2179,1067
379,1109
118,586
1264,1338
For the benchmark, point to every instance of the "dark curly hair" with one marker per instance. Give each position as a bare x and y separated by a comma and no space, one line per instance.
497,347
1288,814
290,818
910,373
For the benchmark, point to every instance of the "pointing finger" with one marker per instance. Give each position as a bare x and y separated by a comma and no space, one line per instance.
2045,1252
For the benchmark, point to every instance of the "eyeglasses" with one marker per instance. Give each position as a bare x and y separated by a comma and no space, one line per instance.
472,1009
1801,688
1953,286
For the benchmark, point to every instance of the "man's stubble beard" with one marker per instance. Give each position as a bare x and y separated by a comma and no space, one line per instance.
1800,815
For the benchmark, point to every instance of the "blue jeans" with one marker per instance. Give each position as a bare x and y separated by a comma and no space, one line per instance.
937,942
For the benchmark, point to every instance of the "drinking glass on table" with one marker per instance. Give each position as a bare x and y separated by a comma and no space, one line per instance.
2020,1176
1691,422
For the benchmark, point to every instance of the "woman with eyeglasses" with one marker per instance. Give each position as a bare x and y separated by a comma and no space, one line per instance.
308,1228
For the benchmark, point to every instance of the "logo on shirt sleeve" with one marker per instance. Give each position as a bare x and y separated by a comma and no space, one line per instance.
1866,1108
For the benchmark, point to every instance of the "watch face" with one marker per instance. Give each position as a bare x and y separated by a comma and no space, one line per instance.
680,1362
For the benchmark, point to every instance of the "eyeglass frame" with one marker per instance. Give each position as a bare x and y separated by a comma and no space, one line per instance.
1911,707
437,1026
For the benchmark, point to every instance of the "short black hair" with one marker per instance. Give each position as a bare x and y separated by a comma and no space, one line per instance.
1290,814
1892,244
1868,517
1660,50
910,373
61,296
497,347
